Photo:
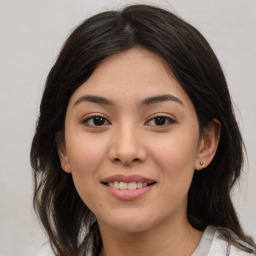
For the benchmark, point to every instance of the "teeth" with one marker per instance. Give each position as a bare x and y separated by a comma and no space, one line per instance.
116,184
130,185
123,185
139,185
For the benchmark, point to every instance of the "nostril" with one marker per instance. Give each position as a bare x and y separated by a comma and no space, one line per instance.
126,161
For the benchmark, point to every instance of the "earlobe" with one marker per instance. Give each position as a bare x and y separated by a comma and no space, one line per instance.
208,144
62,152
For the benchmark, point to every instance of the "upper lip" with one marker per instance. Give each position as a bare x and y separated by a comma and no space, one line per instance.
127,179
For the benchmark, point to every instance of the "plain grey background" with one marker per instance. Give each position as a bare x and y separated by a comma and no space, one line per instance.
31,34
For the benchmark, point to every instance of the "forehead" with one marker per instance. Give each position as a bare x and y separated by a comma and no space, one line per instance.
143,64
136,73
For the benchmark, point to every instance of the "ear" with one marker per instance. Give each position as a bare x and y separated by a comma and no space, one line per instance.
208,144
62,152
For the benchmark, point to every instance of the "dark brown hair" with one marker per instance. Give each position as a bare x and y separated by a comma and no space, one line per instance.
72,228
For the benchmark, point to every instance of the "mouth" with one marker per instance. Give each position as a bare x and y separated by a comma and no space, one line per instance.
128,185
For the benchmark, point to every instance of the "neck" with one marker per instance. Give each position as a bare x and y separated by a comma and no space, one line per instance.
177,238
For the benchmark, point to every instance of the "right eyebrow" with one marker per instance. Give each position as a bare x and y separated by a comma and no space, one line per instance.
94,99
161,98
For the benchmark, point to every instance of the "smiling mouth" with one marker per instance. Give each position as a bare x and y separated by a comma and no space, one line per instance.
129,186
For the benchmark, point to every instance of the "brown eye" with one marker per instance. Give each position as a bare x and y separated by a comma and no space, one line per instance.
160,121
96,121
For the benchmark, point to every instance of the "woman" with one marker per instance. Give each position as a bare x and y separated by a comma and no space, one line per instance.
137,147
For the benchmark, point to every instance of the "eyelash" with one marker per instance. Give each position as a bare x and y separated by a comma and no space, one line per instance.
166,119
93,118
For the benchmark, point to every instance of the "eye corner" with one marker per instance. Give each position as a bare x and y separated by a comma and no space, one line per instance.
95,121
161,121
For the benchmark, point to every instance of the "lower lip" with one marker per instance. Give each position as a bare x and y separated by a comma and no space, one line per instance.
127,194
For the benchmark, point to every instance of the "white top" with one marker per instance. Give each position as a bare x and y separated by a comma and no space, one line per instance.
210,244
45,250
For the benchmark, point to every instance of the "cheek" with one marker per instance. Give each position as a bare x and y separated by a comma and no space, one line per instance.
85,152
177,151
176,156
85,156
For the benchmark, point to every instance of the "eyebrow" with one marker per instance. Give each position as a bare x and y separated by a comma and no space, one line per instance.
94,99
147,101
161,98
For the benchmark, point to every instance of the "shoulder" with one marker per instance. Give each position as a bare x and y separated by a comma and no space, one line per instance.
223,247
45,250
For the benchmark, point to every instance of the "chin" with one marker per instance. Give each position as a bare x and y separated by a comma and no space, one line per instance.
131,227
130,223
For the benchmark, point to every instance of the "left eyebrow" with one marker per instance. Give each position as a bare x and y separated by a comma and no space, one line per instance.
161,98
94,99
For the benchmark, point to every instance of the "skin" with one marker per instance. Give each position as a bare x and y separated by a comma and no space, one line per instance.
129,141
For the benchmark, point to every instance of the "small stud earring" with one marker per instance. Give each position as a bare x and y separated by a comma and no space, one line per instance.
201,163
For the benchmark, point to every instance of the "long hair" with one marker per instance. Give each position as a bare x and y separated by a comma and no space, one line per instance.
72,228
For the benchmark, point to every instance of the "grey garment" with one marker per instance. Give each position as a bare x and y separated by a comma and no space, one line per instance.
205,243
45,250
212,244
201,250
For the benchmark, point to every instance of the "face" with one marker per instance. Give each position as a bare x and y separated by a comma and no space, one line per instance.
132,142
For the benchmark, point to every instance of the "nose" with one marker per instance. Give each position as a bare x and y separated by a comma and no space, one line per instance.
127,145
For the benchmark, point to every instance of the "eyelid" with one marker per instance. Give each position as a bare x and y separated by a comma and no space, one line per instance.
94,115
171,119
